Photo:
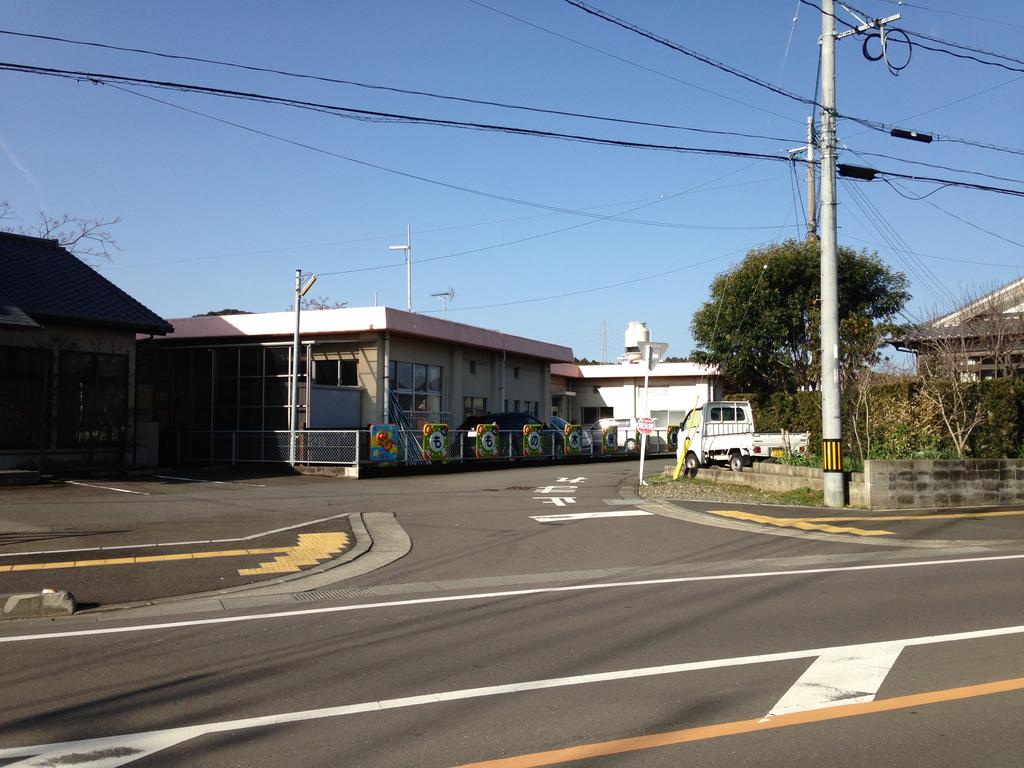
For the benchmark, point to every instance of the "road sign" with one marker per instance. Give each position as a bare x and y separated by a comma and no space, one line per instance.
645,425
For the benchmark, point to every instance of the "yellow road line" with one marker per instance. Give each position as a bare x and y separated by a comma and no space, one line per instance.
311,549
800,524
619,746
944,516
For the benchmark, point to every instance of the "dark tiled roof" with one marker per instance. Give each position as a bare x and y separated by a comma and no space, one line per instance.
47,283
11,315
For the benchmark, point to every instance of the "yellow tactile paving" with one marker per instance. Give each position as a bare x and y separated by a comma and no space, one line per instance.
789,522
925,517
310,550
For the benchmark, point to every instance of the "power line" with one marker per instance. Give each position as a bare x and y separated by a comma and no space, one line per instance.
405,174
393,89
903,4
375,115
867,123
630,62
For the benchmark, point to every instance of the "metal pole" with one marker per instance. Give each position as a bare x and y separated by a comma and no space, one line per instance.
408,266
649,353
812,196
293,415
831,420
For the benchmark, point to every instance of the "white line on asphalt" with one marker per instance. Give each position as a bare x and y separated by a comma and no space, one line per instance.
590,515
507,593
844,676
105,488
203,480
175,543
130,747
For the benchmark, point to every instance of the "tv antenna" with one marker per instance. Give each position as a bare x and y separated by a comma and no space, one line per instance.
445,297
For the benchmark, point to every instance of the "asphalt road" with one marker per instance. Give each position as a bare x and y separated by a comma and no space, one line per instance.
635,634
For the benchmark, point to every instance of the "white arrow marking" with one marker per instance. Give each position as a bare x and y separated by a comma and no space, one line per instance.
588,515
573,480
558,501
842,676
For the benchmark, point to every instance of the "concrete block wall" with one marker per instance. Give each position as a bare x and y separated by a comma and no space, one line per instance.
780,478
921,484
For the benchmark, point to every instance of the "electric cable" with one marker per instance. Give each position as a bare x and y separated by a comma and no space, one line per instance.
393,89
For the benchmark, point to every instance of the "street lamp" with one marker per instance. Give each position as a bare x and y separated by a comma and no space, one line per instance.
408,264
652,352
302,284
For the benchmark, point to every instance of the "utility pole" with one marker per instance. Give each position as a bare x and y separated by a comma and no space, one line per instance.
831,417
812,193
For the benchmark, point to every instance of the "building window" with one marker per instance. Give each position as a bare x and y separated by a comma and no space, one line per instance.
336,373
92,400
418,389
23,394
515,372
473,406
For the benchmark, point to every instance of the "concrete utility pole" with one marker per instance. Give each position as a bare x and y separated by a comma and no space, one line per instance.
812,193
831,417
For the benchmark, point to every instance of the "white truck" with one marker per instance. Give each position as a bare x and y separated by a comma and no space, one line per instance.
722,431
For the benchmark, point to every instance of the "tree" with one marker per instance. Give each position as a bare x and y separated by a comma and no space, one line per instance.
319,302
84,238
761,326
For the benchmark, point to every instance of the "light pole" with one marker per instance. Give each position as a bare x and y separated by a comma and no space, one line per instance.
652,351
408,264
302,284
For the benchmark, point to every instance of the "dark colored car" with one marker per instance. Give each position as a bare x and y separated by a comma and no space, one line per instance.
511,422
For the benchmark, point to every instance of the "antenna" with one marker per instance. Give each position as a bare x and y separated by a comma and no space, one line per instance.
445,297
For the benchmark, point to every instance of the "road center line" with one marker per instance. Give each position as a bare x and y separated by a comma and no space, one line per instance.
502,594
138,745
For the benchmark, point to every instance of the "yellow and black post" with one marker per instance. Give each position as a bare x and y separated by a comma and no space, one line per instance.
831,455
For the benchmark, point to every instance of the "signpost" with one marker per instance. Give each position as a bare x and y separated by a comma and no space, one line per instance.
652,351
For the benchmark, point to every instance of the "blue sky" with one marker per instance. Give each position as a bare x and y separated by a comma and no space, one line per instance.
215,215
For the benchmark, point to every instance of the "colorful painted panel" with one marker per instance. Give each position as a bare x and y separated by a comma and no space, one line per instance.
435,442
610,440
532,442
383,442
573,439
486,441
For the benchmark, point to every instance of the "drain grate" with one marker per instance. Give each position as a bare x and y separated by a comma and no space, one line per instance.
333,594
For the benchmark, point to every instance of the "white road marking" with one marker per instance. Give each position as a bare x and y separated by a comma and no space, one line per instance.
589,515
571,480
112,751
175,543
844,676
507,593
204,480
558,501
555,489
105,488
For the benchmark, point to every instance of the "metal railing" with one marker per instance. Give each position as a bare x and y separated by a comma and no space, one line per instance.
349,447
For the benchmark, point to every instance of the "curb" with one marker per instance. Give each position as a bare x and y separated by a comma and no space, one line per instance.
37,605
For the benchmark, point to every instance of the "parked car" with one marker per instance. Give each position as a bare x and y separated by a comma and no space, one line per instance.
626,429
511,422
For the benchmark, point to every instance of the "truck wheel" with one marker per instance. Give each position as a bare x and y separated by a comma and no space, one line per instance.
736,462
692,464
